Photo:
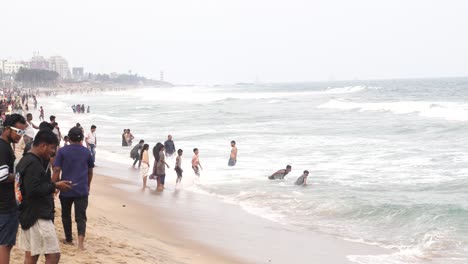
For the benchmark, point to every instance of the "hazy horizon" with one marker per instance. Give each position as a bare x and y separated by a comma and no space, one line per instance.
244,41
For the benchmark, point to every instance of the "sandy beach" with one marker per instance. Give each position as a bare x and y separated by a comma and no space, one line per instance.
120,230
126,225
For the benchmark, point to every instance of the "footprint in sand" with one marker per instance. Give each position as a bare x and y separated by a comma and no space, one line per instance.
103,251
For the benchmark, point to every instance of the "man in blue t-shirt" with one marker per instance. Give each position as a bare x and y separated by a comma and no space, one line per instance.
76,164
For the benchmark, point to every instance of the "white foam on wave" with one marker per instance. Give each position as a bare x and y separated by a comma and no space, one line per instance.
345,90
203,94
446,110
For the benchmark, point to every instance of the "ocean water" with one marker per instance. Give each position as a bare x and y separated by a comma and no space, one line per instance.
388,159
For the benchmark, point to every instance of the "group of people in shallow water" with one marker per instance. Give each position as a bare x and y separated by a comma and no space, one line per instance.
161,152
280,174
127,138
80,109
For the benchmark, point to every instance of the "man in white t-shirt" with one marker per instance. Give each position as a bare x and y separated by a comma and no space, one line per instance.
91,141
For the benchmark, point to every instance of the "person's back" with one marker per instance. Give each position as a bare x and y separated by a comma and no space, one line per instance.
75,160
161,165
76,164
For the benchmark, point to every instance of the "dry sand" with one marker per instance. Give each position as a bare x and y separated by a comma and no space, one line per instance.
120,230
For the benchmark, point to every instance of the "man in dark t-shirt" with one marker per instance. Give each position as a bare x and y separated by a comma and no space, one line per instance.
14,126
76,164
169,146
37,235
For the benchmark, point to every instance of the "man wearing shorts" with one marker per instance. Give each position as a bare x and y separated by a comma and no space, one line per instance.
37,235
12,133
178,166
233,156
196,162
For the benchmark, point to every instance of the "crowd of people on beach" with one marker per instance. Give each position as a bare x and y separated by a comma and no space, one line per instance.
34,168
38,163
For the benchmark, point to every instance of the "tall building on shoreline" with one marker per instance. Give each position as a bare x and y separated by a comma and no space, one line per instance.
59,65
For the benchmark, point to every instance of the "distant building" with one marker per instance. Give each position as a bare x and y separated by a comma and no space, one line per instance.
78,73
1,65
59,65
12,67
38,62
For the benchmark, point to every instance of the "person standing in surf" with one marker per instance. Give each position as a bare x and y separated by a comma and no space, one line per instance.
129,137
124,140
279,175
41,114
233,156
169,146
161,167
144,158
178,166
196,165
91,142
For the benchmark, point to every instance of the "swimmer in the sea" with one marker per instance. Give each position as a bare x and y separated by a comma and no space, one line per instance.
302,180
279,175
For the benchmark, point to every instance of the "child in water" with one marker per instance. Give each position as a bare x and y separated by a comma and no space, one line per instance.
178,166
196,162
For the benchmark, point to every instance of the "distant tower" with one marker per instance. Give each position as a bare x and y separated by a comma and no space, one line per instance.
161,76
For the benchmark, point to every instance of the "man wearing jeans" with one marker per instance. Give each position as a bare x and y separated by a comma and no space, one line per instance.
76,164
91,141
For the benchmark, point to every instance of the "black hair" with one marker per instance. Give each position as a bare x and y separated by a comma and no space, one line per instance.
52,117
288,167
233,141
65,138
93,126
195,149
179,151
156,150
142,141
45,137
145,147
45,125
28,115
78,125
12,120
306,171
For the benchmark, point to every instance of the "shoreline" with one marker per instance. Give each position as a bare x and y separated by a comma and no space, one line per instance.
220,227
126,225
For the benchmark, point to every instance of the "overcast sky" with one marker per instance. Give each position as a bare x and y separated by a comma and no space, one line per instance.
216,41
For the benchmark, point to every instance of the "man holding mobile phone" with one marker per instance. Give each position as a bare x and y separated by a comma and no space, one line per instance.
76,164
